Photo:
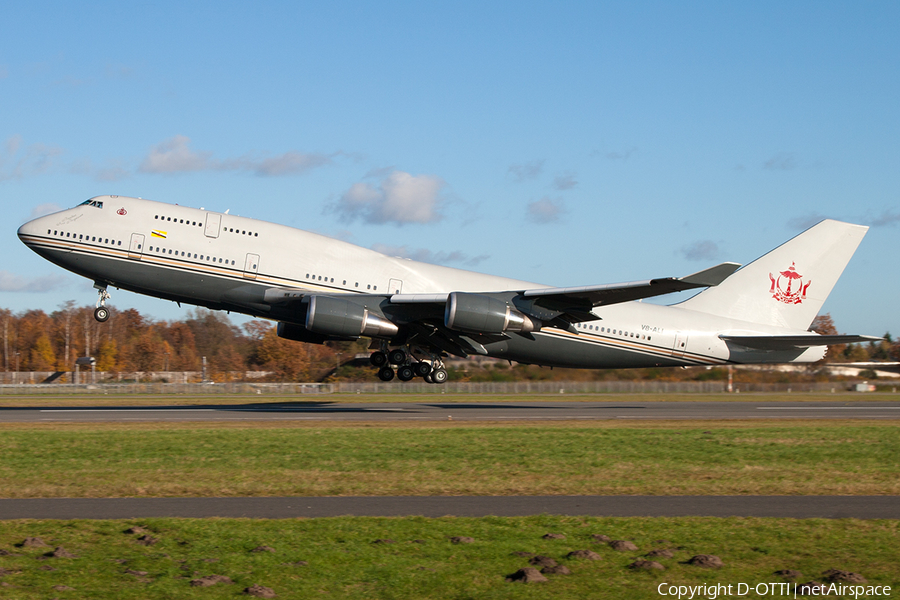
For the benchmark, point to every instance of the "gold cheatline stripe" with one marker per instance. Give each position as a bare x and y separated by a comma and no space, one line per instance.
180,265
641,348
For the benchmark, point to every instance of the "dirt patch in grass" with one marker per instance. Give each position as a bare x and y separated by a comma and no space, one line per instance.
340,560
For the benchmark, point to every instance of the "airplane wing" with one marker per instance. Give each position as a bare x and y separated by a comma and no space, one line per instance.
598,295
611,293
460,323
788,342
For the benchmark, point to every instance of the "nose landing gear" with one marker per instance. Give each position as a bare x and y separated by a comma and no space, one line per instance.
101,313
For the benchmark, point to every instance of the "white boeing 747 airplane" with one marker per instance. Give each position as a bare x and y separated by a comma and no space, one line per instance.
320,289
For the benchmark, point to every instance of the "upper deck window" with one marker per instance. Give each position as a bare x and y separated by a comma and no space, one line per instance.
96,203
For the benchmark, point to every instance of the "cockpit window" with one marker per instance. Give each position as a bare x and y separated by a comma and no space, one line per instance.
96,203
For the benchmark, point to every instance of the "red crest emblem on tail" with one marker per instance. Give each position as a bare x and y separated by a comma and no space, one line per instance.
794,291
121,211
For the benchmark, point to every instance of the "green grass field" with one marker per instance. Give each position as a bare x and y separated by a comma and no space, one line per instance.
320,458
273,459
343,562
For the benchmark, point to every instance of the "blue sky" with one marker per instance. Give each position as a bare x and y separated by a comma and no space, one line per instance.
564,143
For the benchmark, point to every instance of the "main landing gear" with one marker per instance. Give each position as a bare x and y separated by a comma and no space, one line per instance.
101,313
408,368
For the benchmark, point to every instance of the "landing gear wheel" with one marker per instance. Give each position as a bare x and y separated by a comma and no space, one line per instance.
101,313
422,369
439,375
405,373
397,357
385,374
378,359
428,378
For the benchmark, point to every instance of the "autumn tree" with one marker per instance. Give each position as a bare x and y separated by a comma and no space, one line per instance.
824,325
107,356
8,328
218,340
33,324
180,338
42,357
289,360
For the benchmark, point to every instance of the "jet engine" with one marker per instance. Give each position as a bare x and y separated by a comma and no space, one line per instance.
297,333
477,313
328,315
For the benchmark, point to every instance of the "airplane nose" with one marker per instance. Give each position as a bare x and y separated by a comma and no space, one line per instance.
29,230
25,230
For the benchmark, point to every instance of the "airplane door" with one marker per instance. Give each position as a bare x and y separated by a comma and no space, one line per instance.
136,249
680,344
395,286
251,266
213,221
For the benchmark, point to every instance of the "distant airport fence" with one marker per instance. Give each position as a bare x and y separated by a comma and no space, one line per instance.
421,388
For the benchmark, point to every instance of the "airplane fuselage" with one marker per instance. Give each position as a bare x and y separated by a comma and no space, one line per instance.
228,262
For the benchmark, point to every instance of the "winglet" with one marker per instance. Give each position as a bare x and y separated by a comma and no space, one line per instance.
712,276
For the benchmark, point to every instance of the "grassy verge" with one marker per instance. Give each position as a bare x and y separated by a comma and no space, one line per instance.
341,560
101,399
118,460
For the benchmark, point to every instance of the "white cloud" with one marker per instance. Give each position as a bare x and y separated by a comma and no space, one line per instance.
616,154
10,282
115,71
701,250
888,217
783,161
566,181
546,210
19,160
425,255
175,156
525,171
290,163
804,222
399,198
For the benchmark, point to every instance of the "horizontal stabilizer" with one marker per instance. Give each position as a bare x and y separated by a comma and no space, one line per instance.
787,342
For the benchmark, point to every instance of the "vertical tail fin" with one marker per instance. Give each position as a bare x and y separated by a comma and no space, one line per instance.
787,286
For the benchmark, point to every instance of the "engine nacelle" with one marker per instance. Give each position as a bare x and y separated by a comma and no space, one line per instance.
296,333
335,316
477,313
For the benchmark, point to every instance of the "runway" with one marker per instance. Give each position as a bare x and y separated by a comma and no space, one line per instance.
798,507
470,411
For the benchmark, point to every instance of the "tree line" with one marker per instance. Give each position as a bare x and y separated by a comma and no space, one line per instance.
129,341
